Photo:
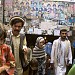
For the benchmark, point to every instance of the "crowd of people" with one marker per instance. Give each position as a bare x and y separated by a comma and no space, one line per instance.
16,58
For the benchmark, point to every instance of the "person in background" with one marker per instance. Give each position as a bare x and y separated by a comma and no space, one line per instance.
39,54
61,54
7,61
18,44
48,48
73,46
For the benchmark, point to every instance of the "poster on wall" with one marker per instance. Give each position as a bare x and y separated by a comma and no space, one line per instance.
41,11
1,13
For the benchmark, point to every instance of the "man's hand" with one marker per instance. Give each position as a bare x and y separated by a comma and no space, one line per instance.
12,64
25,50
68,65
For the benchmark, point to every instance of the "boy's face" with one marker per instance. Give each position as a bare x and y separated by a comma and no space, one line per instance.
1,40
41,44
34,64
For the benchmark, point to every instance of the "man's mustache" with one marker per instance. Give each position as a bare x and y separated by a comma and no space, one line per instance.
17,30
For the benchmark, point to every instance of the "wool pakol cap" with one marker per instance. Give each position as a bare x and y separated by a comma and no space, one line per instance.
15,18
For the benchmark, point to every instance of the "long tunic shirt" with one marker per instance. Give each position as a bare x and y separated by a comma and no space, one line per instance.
60,54
16,42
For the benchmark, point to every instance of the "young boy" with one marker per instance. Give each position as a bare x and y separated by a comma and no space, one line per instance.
7,61
33,67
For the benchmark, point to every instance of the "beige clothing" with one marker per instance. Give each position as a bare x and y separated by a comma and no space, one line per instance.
16,42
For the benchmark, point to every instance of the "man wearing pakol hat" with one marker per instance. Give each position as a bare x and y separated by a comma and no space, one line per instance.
61,55
18,43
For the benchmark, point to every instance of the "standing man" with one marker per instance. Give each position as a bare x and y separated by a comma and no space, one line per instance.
61,55
18,43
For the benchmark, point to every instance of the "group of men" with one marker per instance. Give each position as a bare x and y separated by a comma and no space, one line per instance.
61,54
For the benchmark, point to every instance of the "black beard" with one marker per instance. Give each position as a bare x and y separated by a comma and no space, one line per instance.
63,38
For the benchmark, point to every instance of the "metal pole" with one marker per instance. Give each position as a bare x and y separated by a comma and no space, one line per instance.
3,2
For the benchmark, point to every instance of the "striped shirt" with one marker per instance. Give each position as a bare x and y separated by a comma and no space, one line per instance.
38,53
